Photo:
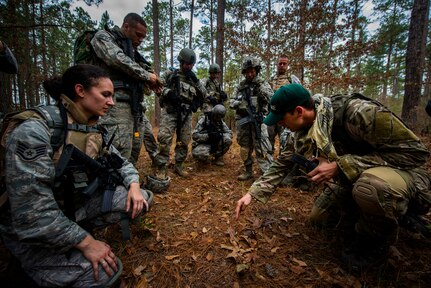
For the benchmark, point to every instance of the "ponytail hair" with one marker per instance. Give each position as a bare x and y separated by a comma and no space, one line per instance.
84,74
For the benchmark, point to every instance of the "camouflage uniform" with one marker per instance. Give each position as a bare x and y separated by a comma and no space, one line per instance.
202,139
215,94
190,94
34,227
146,136
276,82
117,56
261,92
378,160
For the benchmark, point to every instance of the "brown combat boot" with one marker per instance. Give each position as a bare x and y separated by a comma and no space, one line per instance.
248,174
179,169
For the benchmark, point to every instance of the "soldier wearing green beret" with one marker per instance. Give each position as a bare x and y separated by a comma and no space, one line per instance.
368,161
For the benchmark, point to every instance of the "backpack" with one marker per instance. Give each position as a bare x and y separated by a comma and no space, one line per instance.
83,52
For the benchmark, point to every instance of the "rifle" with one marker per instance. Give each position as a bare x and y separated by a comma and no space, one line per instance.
71,166
177,104
308,165
215,136
254,117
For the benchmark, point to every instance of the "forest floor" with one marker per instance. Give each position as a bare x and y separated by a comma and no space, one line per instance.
190,238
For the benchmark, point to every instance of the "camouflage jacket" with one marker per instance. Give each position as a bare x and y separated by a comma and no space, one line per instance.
365,134
35,216
118,55
201,133
215,95
257,93
189,92
279,80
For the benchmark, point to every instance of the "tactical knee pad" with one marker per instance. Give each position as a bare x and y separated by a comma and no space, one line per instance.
366,195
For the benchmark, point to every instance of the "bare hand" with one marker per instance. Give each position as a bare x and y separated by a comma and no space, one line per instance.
324,172
242,203
136,200
98,252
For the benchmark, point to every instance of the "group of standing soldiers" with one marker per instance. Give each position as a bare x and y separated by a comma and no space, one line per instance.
181,94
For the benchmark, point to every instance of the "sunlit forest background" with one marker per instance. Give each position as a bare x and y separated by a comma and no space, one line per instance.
331,46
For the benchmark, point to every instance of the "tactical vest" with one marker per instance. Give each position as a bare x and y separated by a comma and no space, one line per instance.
120,79
76,133
248,97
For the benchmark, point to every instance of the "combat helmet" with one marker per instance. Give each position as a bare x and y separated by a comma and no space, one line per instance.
214,68
219,110
251,62
187,55
157,185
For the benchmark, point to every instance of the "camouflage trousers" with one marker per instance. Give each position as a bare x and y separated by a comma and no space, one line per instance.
202,152
50,268
168,126
273,131
146,136
119,120
246,138
375,202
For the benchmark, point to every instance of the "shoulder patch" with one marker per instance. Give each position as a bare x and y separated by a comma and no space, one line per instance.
30,153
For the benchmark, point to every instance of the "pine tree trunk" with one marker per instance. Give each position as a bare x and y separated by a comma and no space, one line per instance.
220,35
156,59
414,60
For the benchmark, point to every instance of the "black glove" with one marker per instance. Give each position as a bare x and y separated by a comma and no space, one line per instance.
172,96
213,100
223,96
192,76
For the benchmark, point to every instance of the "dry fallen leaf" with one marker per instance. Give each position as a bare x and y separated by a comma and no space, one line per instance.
171,257
240,268
194,234
210,257
298,270
138,270
299,262
273,250
158,238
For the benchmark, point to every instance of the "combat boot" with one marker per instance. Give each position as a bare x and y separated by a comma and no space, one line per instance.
179,169
161,172
248,174
218,162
